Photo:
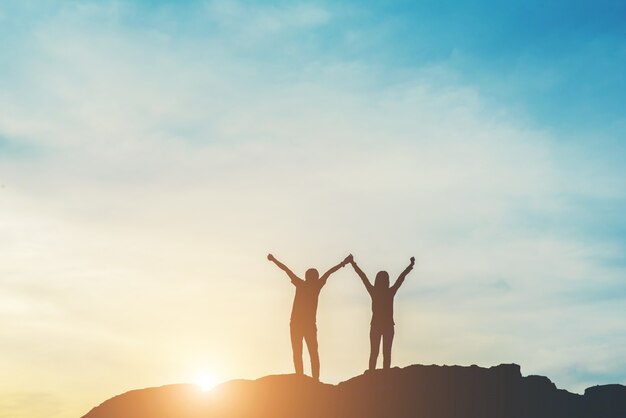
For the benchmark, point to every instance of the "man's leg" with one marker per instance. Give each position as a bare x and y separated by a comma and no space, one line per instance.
387,343
310,336
374,346
296,347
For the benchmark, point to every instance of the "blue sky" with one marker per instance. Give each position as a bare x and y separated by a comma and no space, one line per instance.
562,55
152,153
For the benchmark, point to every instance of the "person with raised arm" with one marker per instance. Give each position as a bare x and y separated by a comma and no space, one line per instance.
304,313
382,325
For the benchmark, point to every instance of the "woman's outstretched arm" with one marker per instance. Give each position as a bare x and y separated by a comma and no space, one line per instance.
403,275
362,275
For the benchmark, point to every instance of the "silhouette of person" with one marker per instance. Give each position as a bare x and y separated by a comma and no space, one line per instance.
304,312
382,325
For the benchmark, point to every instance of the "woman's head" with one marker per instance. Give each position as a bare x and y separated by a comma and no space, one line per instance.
382,280
311,275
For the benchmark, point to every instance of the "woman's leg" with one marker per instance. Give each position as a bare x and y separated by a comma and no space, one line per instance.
375,336
387,343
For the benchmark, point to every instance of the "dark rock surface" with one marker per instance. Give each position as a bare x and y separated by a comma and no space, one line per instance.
414,391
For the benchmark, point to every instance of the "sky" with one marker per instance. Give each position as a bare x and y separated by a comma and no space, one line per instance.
152,153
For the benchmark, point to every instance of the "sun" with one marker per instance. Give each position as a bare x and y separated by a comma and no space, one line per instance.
206,381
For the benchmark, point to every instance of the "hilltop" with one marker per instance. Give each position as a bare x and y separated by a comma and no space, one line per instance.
413,391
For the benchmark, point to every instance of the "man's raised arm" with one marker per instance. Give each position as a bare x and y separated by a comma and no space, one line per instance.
326,275
402,276
362,275
291,274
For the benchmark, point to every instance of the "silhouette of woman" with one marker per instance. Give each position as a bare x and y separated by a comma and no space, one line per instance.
382,325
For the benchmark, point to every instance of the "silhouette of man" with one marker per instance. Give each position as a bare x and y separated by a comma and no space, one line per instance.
304,312
382,325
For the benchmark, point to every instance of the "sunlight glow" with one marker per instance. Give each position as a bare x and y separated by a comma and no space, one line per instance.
206,381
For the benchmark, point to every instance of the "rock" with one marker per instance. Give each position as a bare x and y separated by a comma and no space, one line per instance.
413,391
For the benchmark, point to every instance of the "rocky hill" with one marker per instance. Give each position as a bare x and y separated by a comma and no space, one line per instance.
414,391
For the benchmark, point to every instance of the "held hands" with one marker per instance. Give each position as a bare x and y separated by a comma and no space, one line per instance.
348,260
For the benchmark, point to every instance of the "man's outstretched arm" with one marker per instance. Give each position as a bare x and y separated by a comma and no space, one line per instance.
291,274
362,275
403,275
326,275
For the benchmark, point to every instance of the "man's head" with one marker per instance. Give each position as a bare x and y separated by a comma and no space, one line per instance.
311,275
382,280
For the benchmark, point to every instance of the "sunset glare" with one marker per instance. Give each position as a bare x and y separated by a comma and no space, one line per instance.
206,381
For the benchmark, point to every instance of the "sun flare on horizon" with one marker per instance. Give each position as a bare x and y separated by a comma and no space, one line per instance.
206,381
